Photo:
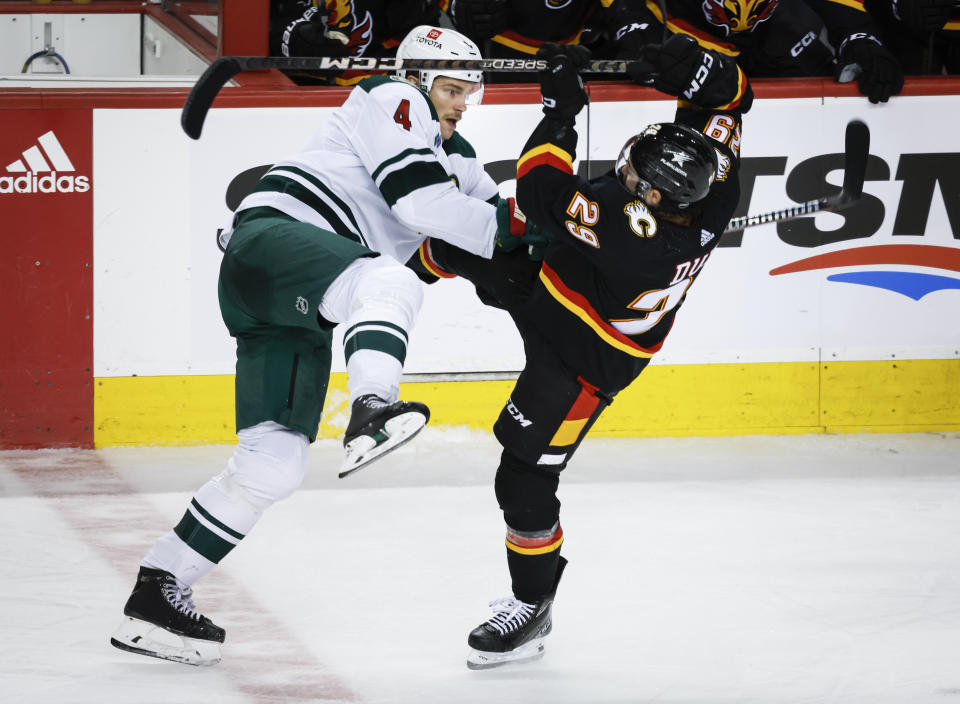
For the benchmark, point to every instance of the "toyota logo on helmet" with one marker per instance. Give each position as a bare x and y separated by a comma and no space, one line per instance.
427,42
738,15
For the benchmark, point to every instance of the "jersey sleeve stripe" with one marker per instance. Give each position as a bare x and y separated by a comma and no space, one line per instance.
854,4
580,307
526,45
410,178
397,158
426,259
291,185
545,154
678,26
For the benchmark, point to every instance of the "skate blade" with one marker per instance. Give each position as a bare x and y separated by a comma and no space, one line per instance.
363,450
528,652
136,636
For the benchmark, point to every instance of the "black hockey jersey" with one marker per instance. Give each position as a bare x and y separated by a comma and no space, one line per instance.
366,28
767,37
613,279
533,23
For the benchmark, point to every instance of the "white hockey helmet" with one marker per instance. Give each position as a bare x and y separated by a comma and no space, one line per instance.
426,42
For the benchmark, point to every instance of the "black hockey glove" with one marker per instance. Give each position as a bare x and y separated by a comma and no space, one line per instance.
864,58
513,228
561,85
309,37
680,67
923,15
480,19
671,65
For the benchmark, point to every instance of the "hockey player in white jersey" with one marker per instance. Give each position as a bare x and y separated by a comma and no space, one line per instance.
321,241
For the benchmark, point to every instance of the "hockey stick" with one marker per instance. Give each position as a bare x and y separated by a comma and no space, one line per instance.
857,148
223,69
663,16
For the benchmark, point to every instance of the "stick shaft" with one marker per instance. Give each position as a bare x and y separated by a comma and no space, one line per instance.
362,63
808,208
226,67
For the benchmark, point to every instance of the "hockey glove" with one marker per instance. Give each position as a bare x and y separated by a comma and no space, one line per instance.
923,15
560,85
513,228
864,58
480,19
309,37
672,65
679,67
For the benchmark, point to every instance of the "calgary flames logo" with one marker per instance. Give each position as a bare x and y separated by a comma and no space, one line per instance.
340,15
342,24
641,221
362,34
738,15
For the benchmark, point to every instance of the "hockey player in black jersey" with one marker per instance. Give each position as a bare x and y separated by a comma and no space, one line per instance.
772,38
626,249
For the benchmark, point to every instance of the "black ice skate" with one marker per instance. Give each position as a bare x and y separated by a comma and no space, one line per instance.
377,427
161,622
515,633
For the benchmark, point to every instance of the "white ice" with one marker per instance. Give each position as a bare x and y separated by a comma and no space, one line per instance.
702,570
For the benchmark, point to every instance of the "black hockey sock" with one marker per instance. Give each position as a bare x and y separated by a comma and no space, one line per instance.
534,576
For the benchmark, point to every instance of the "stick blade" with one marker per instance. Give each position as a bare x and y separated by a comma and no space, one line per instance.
204,91
857,149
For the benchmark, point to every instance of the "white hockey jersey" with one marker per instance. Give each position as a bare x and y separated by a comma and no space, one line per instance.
377,173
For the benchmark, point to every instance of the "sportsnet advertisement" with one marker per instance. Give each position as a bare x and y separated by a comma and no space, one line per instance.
881,281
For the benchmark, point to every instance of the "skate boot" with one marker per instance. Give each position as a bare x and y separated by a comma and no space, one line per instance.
377,427
516,631
161,622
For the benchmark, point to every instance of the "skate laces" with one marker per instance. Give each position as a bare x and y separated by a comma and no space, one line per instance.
510,614
180,598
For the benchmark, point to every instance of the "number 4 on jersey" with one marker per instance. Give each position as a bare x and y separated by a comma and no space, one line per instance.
402,115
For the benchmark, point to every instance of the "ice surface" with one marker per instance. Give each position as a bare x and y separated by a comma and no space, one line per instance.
702,570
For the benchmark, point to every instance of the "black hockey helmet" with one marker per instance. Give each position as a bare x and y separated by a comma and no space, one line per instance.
675,159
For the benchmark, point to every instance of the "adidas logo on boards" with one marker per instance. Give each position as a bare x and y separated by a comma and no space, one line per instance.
42,171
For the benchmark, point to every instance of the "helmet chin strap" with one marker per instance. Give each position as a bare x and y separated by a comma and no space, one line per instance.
647,194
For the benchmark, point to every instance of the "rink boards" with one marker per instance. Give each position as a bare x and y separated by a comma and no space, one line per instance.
830,324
